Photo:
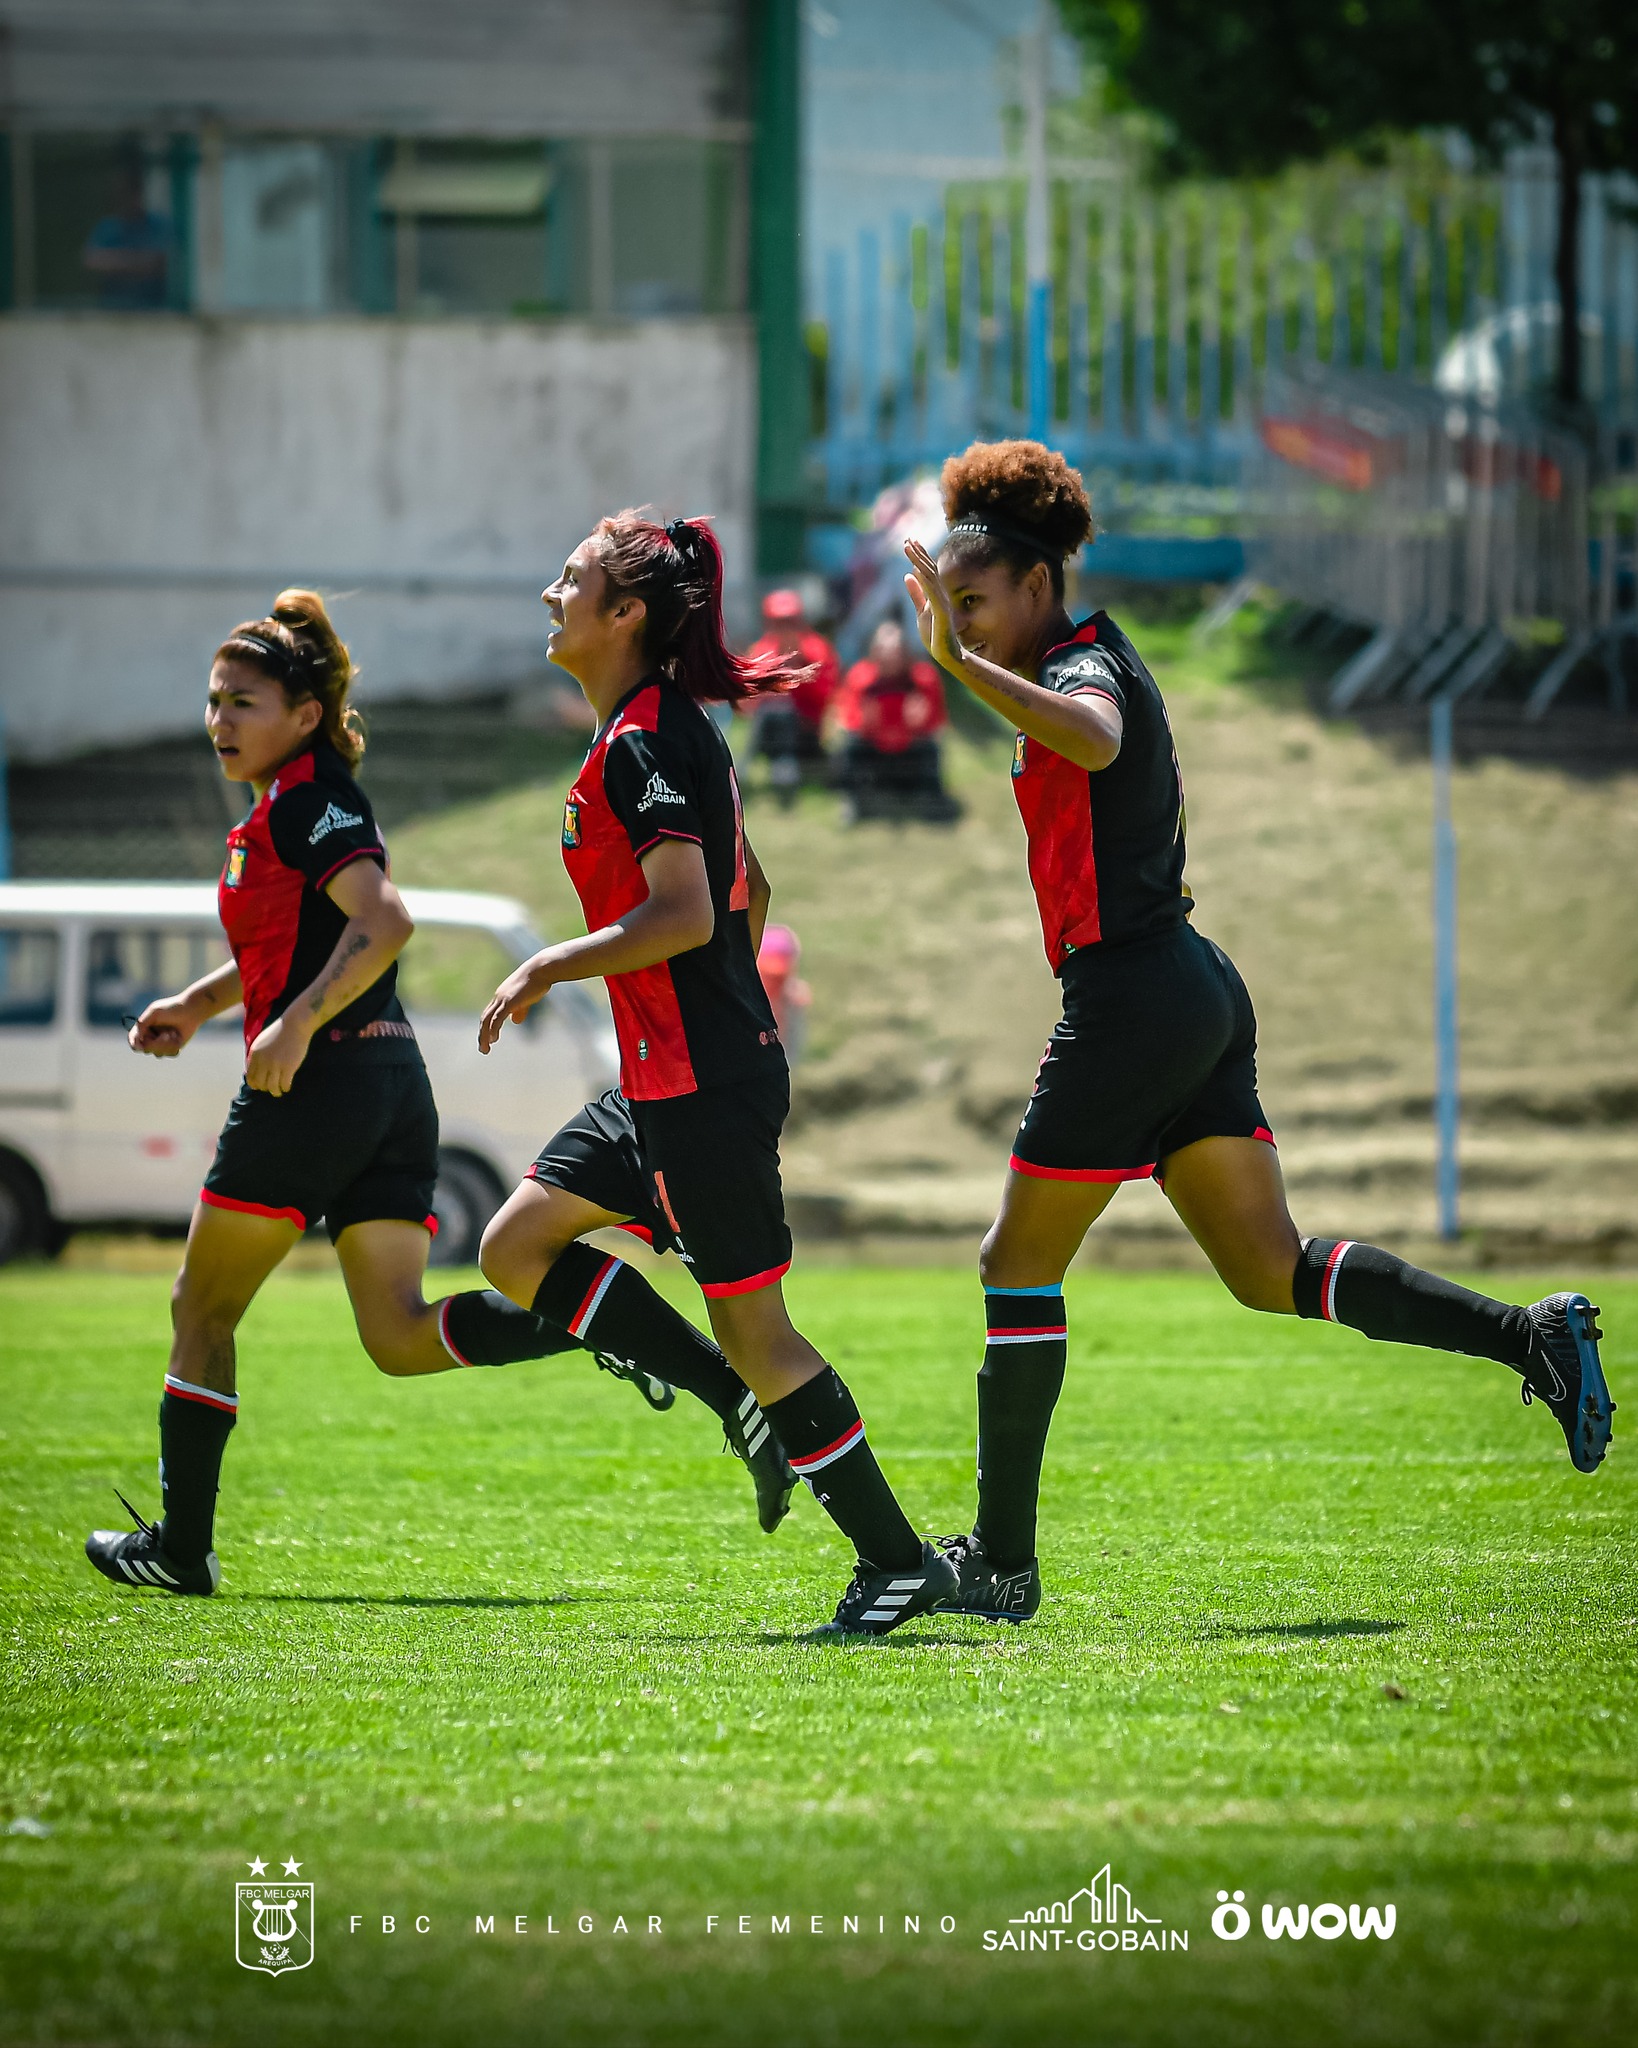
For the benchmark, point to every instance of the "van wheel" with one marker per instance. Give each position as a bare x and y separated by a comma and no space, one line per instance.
25,1224
468,1195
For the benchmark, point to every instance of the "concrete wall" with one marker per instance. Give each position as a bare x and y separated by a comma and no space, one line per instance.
160,478
404,67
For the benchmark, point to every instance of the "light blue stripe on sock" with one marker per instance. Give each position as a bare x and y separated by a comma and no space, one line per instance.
1057,1287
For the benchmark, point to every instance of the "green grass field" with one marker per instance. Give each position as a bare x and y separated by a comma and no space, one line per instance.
1327,1623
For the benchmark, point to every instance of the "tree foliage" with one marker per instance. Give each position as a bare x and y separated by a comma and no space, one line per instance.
1245,87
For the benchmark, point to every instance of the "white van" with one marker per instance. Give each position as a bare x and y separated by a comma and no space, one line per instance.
93,1133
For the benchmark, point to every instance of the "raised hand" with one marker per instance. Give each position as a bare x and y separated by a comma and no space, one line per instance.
935,615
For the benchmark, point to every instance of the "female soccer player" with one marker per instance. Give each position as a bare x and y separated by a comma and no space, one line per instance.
335,1118
1153,1067
686,1150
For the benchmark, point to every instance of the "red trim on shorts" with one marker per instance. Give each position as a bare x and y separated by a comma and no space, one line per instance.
215,1201
638,1230
1103,1173
430,1222
1264,1133
715,1290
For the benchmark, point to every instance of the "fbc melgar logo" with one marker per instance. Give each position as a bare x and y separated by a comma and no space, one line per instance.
273,1920
1101,1915
1327,1922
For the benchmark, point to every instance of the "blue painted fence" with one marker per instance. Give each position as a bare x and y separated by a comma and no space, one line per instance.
1144,348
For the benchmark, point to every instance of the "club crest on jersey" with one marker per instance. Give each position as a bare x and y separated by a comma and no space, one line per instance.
659,791
234,873
571,822
334,819
273,1923
1018,755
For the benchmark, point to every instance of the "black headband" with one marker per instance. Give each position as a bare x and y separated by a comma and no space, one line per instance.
290,664
998,529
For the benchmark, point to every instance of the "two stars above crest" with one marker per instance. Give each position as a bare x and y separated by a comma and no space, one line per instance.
258,1868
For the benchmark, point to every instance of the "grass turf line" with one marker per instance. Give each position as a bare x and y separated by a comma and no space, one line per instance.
506,1643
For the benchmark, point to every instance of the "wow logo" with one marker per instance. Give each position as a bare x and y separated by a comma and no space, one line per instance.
1327,1922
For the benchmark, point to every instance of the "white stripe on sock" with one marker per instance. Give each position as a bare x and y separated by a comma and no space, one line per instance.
583,1322
208,1393
753,1444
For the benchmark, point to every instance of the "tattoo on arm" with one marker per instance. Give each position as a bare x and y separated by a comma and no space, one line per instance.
345,955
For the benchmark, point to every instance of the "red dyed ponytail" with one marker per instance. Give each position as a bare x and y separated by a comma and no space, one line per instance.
677,571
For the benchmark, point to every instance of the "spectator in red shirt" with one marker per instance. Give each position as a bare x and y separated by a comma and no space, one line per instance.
788,729
890,711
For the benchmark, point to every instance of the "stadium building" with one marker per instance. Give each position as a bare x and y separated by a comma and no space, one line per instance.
392,297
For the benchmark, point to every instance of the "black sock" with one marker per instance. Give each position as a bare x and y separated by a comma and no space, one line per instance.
194,1425
1018,1388
608,1306
484,1328
1373,1291
824,1439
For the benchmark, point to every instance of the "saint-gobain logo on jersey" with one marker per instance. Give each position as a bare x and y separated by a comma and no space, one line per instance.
273,1921
659,791
1101,1915
335,819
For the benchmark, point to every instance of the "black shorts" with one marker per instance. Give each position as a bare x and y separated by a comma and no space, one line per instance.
695,1174
355,1141
1157,1048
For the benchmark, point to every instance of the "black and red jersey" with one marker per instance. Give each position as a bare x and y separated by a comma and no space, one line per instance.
659,769
282,927
1106,850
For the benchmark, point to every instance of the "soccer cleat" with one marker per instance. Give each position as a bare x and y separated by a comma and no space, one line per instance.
1565,1372
133,1557
876,1602
747,1435
658,1393
982,1590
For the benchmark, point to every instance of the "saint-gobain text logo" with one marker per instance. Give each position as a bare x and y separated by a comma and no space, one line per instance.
273,1921
1101,1915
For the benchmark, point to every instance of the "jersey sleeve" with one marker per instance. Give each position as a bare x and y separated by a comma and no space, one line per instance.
318,832
1077,671
651,786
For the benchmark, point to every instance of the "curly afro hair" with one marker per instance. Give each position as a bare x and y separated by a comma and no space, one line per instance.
1025,485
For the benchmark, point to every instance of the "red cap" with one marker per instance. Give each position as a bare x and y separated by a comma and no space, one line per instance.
782,604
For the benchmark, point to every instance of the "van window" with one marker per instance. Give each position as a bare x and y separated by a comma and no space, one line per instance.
451,968
28,979
126,969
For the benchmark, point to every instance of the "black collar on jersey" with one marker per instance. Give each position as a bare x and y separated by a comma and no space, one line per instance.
999,529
